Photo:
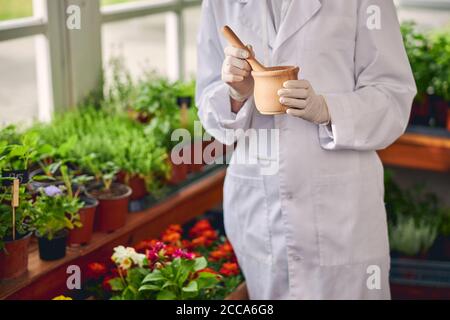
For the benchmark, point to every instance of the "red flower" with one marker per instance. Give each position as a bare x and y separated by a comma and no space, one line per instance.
199,242
210,234
171,237
144,245
96,270
174,228
229,269
223,252
217,255
199,228
170,249
105,283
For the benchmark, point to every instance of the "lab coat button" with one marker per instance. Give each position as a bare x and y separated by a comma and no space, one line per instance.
296,258
289,195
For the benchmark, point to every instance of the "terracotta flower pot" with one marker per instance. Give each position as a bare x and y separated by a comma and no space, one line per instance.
113,207
14,259
196,152
267,84
178,173
136,183
83,235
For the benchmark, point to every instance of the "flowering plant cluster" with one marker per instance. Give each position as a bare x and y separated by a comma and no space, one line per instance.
54,211
199,266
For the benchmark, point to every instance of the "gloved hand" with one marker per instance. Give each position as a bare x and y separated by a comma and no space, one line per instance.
236,72
303,102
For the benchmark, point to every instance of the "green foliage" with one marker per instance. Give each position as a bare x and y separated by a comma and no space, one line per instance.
10,135
415,217
179,280
127,287
19,156
411,238
440,69
429,55
6,214
102,144
52,214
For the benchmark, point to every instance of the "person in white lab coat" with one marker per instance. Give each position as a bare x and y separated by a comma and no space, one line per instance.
316,229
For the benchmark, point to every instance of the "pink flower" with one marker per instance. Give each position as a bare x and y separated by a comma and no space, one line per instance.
154,253
179,253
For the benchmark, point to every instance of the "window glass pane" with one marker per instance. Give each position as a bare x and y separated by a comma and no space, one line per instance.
140,41
192,23
13,9
433,18
18,97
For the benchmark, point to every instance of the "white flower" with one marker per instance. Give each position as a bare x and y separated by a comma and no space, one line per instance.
126,264
138,259
126,257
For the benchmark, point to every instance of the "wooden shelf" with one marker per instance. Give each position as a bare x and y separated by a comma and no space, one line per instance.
418,151
46,280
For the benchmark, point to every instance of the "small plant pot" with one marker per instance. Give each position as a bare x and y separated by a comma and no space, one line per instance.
54,249
14,258
83,235
136,183
112,209
178,173
267,84
196,152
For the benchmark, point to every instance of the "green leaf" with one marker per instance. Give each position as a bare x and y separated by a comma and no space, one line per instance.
166,295
191,287
206,275
116,284
154,276
149,287
200,264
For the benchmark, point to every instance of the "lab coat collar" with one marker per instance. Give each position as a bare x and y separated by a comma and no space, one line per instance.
299,13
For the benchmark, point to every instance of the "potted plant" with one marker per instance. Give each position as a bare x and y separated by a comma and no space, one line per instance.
200,266
141,160
50,160
414,218
113,197
14,236
74,186
52,215
411,239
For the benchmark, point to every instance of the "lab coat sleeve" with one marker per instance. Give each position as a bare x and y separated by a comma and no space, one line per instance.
212,94
376,113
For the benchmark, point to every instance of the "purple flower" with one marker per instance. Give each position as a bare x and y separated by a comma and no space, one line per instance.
52,191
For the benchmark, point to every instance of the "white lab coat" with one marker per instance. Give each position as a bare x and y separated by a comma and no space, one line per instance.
317,228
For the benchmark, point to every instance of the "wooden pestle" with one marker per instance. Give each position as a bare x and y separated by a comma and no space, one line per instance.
233,39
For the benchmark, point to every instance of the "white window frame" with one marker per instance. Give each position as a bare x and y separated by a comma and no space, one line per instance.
65,75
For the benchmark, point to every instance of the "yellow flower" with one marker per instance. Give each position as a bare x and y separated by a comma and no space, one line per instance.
126,264
62,298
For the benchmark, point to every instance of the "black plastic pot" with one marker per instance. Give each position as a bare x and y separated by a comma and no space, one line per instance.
54,249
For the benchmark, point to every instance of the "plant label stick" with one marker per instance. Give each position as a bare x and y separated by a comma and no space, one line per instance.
14,204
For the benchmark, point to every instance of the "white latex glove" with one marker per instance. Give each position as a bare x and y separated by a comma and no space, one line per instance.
303,102
236,72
